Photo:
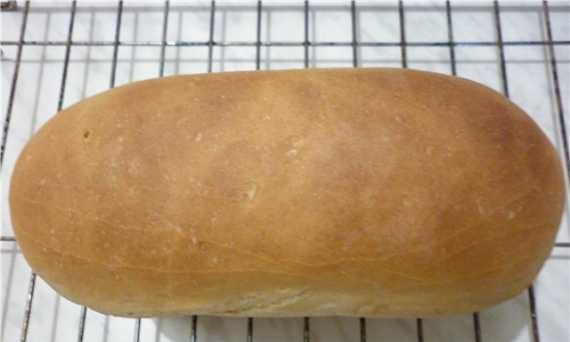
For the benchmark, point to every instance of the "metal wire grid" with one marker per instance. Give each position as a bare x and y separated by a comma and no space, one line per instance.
403,44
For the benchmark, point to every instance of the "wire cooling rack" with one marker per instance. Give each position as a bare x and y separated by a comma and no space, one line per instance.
368,30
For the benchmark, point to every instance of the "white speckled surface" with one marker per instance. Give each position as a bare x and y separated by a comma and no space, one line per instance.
530,83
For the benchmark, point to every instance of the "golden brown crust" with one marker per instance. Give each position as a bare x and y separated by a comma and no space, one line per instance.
376,192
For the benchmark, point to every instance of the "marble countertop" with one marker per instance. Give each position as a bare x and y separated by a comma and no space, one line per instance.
38,87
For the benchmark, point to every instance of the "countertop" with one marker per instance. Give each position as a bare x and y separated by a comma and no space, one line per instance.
38,87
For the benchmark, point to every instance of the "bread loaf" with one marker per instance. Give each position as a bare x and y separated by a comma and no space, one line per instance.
371,192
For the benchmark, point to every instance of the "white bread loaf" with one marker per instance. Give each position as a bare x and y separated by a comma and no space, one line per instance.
371,192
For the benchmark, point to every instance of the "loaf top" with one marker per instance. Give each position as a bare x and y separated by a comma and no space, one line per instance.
177,194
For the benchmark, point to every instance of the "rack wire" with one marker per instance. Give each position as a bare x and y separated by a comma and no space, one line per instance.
403,44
